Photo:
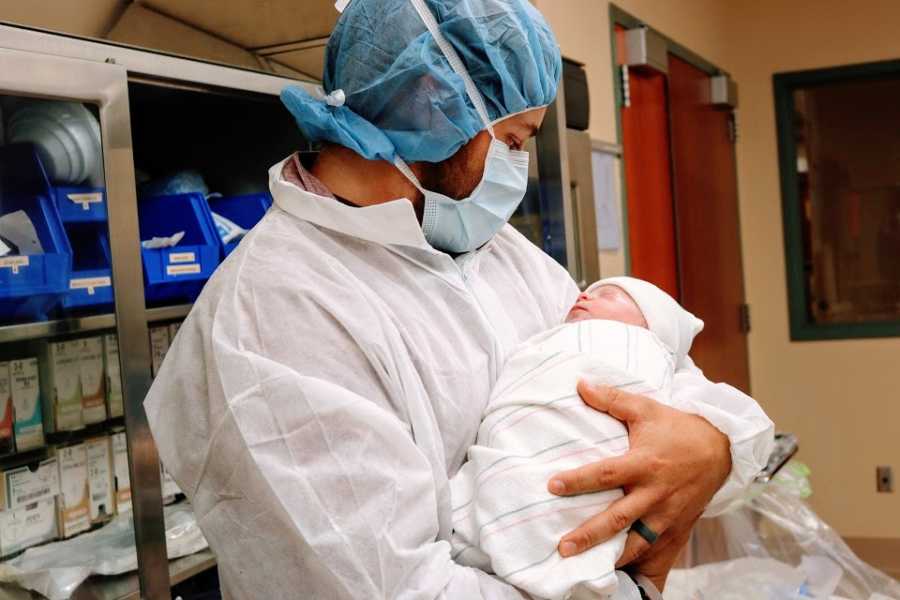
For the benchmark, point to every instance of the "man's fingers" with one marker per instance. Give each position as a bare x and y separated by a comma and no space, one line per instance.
636,546
600,476
616,402
617,517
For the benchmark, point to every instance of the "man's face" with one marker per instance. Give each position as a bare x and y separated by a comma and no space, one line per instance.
458,176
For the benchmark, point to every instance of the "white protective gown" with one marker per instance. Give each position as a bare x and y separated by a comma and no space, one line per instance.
329,380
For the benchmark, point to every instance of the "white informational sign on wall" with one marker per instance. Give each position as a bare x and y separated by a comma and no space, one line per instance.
606,201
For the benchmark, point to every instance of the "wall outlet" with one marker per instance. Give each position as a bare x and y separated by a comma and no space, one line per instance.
884,482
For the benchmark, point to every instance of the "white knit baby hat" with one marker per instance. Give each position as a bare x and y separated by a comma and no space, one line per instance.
671,323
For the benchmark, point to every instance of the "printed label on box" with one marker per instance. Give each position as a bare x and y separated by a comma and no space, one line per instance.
182,269
182,257
7,445
14,263
86,199
120,468
25,486
90,284
27,526
65,369
93,392
159,345
26,396
100,478
114,399
74,499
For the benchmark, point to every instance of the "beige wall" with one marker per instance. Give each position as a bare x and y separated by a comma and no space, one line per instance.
839,397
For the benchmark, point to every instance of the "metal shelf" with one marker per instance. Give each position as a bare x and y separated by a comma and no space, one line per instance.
168,313
45,329
122,587
125,587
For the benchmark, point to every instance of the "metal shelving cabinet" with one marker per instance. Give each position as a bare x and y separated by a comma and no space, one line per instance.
41,65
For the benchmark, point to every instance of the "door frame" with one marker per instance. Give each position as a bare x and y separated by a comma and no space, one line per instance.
619,17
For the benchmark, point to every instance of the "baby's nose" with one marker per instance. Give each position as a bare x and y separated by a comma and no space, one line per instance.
584,296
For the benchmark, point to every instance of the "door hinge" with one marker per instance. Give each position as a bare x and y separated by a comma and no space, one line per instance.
745,318
732,127
626,86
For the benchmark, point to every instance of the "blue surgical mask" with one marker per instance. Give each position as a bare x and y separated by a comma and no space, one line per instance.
464,225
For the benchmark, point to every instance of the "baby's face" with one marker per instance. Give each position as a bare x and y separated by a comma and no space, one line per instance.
607,302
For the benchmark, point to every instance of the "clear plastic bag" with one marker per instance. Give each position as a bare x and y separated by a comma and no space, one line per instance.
55,570
772,545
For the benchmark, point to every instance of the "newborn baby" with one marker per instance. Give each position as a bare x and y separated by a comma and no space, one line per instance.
622,332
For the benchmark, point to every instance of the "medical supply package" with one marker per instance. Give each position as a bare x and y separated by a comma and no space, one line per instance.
93,388
120,472
26,397
28,511
61,383
159,345
114,398
74,498
25,486
33,524
7,438
100,478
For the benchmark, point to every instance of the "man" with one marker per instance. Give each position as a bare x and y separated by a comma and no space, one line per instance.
332,374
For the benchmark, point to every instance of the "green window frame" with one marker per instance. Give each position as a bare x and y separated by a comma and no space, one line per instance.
802,327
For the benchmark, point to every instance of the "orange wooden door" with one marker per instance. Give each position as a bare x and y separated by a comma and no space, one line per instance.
648,181
710,266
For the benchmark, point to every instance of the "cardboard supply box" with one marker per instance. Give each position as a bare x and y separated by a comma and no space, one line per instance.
61,383
28,424
159,345
114,398
25,487
100,479
120,472
7,438
93,379
74,498
30,525
173,329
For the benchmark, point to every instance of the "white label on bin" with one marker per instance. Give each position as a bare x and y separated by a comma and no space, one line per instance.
182,257
85,200
89,283
14,262
183,269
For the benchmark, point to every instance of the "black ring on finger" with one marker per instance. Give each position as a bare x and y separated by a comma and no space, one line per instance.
640,528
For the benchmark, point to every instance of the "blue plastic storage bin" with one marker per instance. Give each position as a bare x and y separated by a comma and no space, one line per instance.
31,284
178,273
90,285
245,210
81,204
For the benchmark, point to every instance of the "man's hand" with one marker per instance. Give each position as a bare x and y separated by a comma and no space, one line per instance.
675,465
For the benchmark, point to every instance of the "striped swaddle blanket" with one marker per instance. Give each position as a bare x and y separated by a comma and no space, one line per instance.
535,425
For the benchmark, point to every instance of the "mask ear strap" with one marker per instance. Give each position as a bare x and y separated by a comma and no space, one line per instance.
455,61
404,168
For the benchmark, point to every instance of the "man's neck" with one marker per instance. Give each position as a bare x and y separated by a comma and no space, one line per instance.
363,182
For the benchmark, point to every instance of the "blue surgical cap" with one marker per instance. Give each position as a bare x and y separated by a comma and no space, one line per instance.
401,97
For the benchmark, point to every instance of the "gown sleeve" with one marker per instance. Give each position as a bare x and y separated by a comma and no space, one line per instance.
735,414
318,493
